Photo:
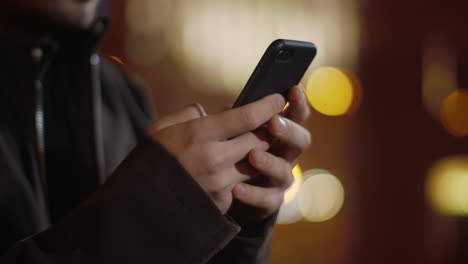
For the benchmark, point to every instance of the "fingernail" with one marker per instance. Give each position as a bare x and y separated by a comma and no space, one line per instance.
282,125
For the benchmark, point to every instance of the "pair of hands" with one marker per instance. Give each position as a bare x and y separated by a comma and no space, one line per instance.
242,171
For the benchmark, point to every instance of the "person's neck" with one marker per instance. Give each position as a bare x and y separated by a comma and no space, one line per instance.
26,28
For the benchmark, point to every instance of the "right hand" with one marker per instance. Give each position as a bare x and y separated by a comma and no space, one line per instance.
210,147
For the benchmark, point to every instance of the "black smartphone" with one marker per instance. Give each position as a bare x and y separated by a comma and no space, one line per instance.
282,66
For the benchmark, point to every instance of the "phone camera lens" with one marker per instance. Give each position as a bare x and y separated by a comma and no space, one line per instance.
284,55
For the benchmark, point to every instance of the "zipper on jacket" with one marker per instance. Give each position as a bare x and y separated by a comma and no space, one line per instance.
95,63
39,123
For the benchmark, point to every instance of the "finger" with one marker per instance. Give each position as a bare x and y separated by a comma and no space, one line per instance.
233,176
225,180
293,137
226,154
185,114
240,120
269,199
226,107
239,147
277,170
298,109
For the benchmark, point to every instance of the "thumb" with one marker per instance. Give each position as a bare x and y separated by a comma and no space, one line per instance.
185,114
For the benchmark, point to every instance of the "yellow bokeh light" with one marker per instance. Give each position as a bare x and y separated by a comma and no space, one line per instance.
439,76
297,171
289,211
321,197
333,91
447,186
454,113
292,191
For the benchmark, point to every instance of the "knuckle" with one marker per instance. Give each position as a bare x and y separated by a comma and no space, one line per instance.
266,201
193,134
262,159
273,201
211,159
278,103
286,178
307,138
216,186
301,138
249,118
289,179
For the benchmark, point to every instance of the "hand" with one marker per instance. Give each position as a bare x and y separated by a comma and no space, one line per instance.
210,147
257,199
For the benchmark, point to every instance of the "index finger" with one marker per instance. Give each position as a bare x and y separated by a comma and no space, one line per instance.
237,121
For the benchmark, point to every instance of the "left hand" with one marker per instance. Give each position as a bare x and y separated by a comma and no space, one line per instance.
257,201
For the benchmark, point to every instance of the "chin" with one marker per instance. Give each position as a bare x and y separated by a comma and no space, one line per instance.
78,14
50,14
75,22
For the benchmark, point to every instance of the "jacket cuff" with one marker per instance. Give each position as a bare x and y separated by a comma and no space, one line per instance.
251,246
260,230
150,210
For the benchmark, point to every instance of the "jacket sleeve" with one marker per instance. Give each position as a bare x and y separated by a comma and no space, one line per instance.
149,211
251,245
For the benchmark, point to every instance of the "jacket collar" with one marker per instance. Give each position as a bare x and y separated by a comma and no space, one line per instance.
25,60
33,54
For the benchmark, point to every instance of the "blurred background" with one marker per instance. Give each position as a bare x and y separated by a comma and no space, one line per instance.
386,177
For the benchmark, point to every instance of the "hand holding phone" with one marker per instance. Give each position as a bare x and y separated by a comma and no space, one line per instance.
281,68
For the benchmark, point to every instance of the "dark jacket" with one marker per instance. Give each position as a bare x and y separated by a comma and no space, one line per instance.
149,210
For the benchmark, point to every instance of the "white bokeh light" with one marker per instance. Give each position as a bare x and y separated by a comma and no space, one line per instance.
321,196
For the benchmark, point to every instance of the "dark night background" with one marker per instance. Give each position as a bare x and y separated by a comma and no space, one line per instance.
382,152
